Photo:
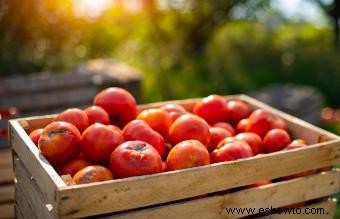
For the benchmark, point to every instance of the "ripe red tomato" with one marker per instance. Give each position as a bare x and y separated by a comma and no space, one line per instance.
280,124
276,140
75,116
186,154
158,119
212,109
135,158
237,110
217,135
189,127
226,126
96,114
231,149
73,166
35,135
59,142
91,174
174,110
140,130
254,141
119,103
242,125
260,122
98,141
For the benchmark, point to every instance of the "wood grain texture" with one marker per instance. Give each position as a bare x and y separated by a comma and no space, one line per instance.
7,211
6,193
273,195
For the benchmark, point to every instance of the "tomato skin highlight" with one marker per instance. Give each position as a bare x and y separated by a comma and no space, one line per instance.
212,109
59,142
187,154
135,158
119,103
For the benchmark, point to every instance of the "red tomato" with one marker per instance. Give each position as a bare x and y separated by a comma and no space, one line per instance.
186,154
226,126
237,110
260,122
254,141
119,103
76,117
73,166
60,142
280,124
135,158
140,130
35,135
98,141
212,109
231,149
276,140
91,174
189,127
158,119
97,114
242,125
174,110
217,135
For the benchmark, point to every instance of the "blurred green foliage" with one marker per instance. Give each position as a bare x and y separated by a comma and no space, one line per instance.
197,49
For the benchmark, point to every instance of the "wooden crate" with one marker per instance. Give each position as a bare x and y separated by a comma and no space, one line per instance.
6,184
41,193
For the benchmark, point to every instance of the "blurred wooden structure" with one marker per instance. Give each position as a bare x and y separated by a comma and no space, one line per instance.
49,93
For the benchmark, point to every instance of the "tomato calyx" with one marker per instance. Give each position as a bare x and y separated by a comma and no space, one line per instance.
138,147
52,133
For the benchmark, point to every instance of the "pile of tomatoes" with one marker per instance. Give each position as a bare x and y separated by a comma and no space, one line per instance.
112,140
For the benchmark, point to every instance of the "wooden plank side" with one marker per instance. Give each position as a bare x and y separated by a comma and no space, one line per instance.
46,177
6,168
6,193
134,192
7,211
27,187
250,200
321,210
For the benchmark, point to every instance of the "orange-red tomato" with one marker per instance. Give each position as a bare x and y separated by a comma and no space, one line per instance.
95,173
75,116
59,142
140,130
217,134
73,166
231,149
98,141
254,141
276,140
186,154
212,109
35,135
158,119
297,143
237,110
260,122
280,124
174,110
226,126
189,127
96,114
242,125
135,158
119,103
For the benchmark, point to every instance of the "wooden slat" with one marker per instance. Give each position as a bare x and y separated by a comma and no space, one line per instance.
6,175
6,193
7,211
47,178
134,192
27,187
269,196
22,206
328,207
6,168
